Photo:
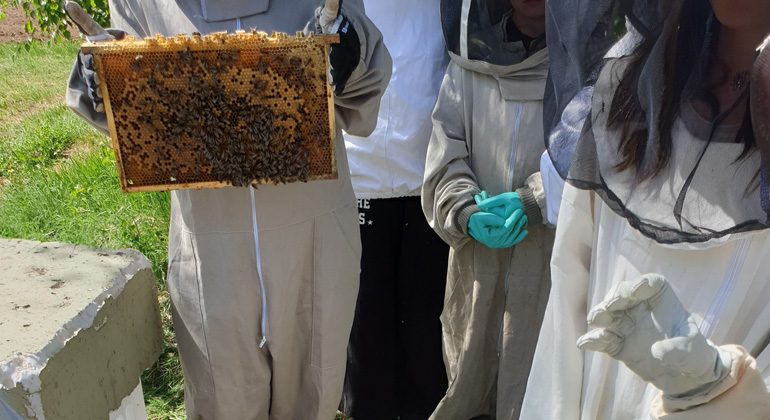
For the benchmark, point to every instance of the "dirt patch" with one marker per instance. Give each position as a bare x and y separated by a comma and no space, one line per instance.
12,27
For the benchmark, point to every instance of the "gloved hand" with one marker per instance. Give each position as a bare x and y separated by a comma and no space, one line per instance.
94,33
345,56
495,232
504,205
643,324
509,207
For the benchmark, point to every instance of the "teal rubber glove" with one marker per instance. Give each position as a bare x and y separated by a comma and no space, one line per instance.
503,205
509,207
495,232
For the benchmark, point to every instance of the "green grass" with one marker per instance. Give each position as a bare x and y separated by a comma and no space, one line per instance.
80,202
58,182
34,78
40,140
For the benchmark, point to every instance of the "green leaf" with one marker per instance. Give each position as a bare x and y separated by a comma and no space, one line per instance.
49,17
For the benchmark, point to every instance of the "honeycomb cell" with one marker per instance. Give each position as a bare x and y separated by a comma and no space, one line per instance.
218,110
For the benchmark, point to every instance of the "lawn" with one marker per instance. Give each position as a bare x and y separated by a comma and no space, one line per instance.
32,79
58,182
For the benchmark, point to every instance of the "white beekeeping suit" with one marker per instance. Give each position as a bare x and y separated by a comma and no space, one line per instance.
488,135
262,281
698,222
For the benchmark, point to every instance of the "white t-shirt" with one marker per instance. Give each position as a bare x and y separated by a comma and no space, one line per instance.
390,163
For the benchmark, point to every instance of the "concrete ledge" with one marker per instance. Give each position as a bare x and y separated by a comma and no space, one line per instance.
77,328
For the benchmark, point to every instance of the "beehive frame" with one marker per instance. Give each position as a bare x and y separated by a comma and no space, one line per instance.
192,112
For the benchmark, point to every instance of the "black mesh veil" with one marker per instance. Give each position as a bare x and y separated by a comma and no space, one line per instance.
473,30
711,187
585,31
451,12
760,115
582,32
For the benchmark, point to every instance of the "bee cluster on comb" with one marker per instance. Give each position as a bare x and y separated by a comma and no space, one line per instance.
218,110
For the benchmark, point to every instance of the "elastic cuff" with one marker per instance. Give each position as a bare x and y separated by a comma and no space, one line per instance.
534,215
464,214
728,356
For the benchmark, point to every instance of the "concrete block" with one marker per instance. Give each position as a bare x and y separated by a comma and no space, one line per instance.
77,328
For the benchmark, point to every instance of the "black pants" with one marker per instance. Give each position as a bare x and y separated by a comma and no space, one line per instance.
395,363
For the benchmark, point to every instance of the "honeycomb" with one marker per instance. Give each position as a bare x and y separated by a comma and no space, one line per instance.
218,110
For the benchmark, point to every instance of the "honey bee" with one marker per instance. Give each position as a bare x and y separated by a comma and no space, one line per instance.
136,65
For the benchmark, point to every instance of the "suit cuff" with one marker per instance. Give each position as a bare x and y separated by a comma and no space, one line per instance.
531,208
743,393
464,214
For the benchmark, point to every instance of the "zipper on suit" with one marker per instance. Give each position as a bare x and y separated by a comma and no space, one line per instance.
514,143
262,289
511,172
725,292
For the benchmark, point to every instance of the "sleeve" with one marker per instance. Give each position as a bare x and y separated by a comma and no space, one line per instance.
122,16
555,385
449,183
78,100
553,185
541,193
357,106
745,395
532,197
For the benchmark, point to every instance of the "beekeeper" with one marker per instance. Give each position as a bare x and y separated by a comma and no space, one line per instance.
659,307
395,365
483,195
263,282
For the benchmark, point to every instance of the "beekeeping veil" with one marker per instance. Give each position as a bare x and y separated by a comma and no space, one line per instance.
474,31
707,191
760,116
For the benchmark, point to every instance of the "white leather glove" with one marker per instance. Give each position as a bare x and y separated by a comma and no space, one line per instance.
643,324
